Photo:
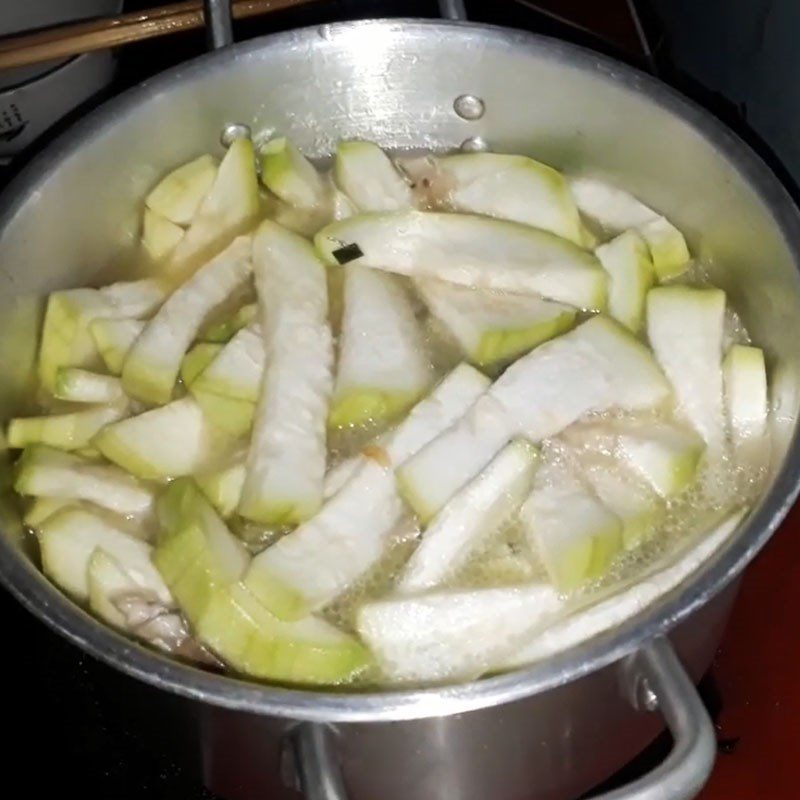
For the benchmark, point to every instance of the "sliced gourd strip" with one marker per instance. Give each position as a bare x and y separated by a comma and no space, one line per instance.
311,566
617,210
746,402
310,651
456,634
473,515
369,178
286,462
229,209
594,367
197,555
114,339
235,373
153,363
68,539
178,195
509,187
66,339
43,507
660,579
630,268
69,431
196,360
449,400
638,507
576,536
686,328
664,454
224,331
223,486
46,472
383,367
165,442
470,250
159,236
494,328
84,386
287,173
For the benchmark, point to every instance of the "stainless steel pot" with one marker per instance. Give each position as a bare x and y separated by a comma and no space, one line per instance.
557,728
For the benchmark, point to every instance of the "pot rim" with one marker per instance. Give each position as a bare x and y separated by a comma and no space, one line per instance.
23,580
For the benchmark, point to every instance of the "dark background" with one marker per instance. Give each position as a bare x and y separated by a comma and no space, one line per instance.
73,724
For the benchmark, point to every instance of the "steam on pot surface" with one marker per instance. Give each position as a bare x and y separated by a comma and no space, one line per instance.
408,421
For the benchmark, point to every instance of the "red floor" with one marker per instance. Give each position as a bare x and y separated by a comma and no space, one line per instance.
758,675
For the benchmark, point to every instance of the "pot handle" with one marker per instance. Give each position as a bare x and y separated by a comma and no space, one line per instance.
659,681
656,680
219,23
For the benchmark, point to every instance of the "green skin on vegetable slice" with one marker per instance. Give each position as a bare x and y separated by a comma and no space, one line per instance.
383,366
228,387
287,173
222,332
223,487
70,431
494,328
197,555
196,360
237,627
114,339
469,250
616,211
575,535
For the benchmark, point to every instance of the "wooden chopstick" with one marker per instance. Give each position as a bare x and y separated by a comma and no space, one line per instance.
74,39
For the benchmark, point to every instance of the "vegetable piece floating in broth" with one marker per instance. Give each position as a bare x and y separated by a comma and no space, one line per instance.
686,328
494,327
627,261
287,173
471,517
178,196
617,211
449,635
153,363
84,386
369,179
473,251
114,339
383,367
746,392
314,564
596,366
47,472
69,538
575,535
228,388
229,209
287,457
165,442
509,187
159,236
